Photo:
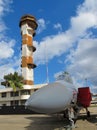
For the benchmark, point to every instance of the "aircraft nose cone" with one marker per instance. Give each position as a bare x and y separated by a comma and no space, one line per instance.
27,103
34,102
49,99
30,103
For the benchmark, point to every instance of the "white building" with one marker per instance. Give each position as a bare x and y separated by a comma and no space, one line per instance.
18,98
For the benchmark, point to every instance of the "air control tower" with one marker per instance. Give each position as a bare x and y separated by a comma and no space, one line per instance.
28,25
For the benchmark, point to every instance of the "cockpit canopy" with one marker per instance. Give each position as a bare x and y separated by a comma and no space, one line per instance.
64,76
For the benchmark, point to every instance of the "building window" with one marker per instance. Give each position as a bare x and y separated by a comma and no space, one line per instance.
30,48
23,102
14,94
30,31
3,104
12,103
25,92
3,95
15,103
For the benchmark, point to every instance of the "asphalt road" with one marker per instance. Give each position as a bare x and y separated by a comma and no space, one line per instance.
46,122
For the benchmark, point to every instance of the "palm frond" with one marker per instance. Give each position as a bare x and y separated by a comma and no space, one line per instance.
13,80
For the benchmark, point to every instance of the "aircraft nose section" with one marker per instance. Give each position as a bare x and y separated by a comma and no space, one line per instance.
31,103
49,99
34,102
27,103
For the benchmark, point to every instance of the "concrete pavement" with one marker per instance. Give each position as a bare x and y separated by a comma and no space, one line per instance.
46,122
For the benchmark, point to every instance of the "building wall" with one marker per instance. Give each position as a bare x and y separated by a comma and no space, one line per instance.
8,98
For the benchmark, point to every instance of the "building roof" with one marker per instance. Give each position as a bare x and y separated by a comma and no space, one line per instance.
31,20
37,86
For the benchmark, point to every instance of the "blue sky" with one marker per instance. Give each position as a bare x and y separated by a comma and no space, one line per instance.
66,38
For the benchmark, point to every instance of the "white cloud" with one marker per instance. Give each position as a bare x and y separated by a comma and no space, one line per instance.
58,26
94,89
41,25
5,6
6,69
6,44
52,46
2,26
82,59
10,65
88,6
6,50
8,62
80,24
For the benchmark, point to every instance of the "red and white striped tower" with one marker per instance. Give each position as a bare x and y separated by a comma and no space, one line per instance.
28,25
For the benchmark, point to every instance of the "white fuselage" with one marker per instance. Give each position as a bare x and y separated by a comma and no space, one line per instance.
52,98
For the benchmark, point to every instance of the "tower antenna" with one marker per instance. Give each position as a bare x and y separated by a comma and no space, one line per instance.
46,62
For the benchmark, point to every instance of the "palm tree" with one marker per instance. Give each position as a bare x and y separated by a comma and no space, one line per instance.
14,81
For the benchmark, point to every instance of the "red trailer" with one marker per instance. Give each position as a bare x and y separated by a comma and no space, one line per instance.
84,97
